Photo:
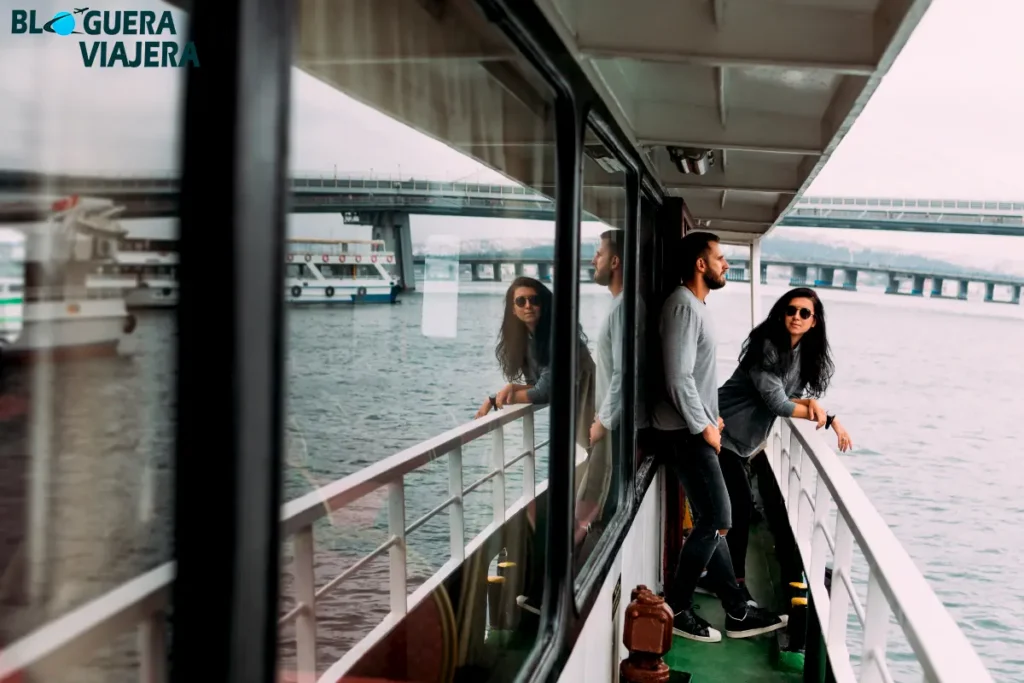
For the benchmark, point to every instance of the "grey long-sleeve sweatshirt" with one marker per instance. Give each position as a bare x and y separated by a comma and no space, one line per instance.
688,353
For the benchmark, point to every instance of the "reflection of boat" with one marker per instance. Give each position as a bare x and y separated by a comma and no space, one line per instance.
147,260
69,307
347,271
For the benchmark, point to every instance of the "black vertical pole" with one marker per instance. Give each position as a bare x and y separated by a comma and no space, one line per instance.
230,343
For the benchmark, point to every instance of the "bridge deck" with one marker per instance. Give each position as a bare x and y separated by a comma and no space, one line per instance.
156,195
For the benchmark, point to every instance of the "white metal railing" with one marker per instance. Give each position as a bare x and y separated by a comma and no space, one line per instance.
142,602
812,478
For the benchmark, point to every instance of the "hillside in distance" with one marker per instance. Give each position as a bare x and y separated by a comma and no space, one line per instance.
771,248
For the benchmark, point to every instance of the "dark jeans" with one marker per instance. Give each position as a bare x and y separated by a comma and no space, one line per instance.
735,472
695,464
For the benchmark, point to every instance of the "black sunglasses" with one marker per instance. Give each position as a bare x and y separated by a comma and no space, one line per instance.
521,300
805,313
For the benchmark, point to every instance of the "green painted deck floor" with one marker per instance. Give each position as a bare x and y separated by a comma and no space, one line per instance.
732,660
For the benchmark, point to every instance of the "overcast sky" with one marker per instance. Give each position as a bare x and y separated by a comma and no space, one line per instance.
945,123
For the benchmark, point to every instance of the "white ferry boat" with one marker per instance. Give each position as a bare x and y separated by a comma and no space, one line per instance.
69,307
350,271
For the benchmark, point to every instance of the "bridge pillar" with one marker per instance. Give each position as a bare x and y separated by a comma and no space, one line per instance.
918,289
961,291
475,270
394,228
1015,294
798,276
850,279
496,271
519,269
936,286
990,291
544,271
764,273
894,284
826,277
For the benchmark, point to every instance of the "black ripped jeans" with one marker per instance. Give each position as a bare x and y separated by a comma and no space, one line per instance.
740,496
696,465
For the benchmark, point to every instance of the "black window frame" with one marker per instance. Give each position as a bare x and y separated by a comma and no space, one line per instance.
228,428
576,103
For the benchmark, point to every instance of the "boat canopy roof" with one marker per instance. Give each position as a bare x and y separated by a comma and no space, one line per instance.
759,91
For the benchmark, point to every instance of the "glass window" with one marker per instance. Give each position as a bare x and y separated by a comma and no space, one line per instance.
87,351
431,364
599,359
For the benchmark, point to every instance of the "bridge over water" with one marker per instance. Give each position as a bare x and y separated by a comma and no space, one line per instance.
355,196
490,268
386,204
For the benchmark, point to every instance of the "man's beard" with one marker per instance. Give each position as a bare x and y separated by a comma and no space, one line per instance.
712,283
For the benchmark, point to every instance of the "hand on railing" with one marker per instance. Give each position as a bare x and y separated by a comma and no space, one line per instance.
817,413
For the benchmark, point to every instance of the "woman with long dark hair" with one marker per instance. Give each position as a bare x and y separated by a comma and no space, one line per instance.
523,349
785,367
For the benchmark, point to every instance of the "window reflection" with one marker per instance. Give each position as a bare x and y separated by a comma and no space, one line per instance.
420,138
88,173
599,400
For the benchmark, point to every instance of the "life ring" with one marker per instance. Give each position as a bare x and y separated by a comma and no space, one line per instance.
296,291
308,258
329,292
374,258
129,324
341,259
361,291
290,258
358,258
326,258
390,259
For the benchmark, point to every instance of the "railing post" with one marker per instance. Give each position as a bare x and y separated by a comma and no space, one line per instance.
784,457
805,514
305,593
819,544
456,515
793,478
396,529
152,636
530,462
876,624
839,599
498,466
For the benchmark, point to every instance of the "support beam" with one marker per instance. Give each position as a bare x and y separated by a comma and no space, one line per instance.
395,229
708,206
755,283
738,33
666,123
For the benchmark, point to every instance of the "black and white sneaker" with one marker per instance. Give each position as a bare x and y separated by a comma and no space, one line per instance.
688,625
754,623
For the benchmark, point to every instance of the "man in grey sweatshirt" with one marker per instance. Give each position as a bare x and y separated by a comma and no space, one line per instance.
690,428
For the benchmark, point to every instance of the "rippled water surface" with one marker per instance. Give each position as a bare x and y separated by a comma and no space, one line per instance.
929,390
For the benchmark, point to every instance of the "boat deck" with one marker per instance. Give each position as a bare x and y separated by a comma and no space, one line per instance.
748,660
